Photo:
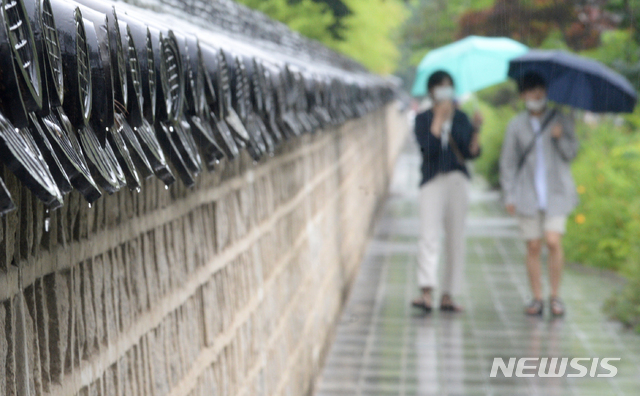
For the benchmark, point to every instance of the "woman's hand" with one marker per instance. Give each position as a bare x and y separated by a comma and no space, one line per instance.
474,146
478,120
441,112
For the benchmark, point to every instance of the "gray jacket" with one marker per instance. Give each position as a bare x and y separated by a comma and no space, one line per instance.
518,187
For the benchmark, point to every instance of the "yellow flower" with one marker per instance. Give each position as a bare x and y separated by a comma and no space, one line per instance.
581,189
580,218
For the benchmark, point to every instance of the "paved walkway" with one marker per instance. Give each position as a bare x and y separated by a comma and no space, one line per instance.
384,347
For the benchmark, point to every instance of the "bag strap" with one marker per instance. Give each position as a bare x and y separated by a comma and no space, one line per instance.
456,150
543,126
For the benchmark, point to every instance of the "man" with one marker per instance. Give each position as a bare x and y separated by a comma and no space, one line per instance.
535,175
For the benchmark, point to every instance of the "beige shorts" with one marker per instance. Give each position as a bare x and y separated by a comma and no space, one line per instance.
534,227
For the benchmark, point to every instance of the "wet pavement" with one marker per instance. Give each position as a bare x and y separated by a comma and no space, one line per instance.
385,347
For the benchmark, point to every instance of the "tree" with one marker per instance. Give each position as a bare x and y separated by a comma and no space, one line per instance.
310,18
340,10
363,30
370,34
432,24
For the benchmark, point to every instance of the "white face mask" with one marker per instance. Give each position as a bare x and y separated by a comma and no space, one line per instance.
443,93
536,106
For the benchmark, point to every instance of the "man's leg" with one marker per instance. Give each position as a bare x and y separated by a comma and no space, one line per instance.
556,260
534,248
531,229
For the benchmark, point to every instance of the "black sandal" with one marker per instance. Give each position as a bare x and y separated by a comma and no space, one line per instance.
422,304
534,308
557,306
447,305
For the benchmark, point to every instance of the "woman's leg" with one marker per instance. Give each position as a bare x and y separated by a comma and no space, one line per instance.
457,203
431,215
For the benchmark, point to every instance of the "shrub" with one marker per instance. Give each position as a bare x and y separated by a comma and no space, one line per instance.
625,306
491,137
603,231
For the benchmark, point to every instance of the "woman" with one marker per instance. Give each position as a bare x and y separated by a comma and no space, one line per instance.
447,138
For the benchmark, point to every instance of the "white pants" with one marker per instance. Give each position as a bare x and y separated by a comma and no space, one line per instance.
443,210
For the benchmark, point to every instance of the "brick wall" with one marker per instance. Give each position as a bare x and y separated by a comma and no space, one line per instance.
228,288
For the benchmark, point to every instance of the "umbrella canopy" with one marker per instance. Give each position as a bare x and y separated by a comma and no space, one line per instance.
473,62
578,82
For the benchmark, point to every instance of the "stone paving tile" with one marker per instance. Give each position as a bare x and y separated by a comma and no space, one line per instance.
384,347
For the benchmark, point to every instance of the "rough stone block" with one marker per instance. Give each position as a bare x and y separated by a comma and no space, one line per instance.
37,339
98,294
30,337
4,347
223,231
159,369
122,295
58,287
111,381
208,317
162,265
149,266
26,223
10,244
110,302
42,320
173,356
87,289
138,283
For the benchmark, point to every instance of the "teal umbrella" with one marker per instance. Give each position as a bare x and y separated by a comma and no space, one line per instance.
473,62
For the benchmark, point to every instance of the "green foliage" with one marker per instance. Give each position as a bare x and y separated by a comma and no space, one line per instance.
492,134
625,306
529,22
312,19
629,10
431,24
617,45
434,23
555,40
339,10
502,94
370,30
363,30
604,231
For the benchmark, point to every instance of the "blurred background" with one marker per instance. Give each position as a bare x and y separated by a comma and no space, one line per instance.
391,37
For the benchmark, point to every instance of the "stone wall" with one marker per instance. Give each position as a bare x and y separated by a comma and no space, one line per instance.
228,288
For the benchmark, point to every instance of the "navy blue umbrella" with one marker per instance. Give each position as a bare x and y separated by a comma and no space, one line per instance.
577,81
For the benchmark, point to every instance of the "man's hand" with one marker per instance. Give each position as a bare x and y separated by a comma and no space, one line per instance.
511,209
556,132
